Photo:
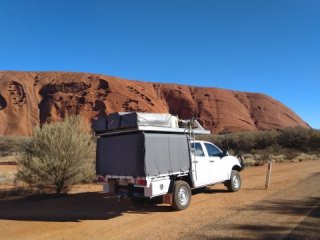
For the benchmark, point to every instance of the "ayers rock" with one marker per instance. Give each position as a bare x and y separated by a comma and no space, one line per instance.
28,99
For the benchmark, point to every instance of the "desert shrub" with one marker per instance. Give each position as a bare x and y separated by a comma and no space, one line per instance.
290,153
249,159
246,141
57,156
304,157
12,145
278,159
7,146
289,142
224,142
263,158
218,140
240,143
265,155
315,139
275,149
296,138
6,178
264,139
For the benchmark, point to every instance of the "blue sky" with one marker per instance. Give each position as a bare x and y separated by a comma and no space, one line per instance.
265,46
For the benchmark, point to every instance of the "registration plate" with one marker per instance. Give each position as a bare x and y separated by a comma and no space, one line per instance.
123,182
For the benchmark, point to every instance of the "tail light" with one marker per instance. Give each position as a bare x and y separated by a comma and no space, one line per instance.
141,182
101,179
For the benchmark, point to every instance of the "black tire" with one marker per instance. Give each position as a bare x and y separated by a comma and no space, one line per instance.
234,184
181,195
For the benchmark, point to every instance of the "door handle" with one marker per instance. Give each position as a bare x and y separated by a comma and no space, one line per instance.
211,161
195,161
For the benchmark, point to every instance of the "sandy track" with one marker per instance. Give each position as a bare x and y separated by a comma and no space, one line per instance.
290,209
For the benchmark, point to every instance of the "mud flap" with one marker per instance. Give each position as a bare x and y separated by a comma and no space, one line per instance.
167,198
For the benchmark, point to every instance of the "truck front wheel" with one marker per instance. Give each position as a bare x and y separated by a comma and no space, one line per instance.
181,195
234,184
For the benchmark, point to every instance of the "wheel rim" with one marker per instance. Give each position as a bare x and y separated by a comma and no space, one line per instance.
236,182
183,196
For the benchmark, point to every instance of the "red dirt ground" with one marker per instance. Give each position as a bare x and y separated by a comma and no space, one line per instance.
289,209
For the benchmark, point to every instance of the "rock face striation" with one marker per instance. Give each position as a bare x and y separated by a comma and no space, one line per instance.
28,99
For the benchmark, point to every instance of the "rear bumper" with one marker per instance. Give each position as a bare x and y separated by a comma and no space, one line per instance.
153,188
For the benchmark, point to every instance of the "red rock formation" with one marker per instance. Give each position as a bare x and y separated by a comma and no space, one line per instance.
28,99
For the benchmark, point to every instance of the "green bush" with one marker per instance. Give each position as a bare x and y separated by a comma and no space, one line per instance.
58,155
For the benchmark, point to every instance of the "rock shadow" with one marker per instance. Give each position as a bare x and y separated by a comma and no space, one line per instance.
3,102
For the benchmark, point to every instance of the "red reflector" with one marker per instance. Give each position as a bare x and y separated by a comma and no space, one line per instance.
101,179
142,182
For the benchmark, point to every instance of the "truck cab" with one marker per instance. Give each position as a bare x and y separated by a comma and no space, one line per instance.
210,165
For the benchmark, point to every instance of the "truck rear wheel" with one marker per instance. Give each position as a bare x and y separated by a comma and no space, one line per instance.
181,195
234,184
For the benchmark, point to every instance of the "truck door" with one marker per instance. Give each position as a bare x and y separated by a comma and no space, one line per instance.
199,165
217,171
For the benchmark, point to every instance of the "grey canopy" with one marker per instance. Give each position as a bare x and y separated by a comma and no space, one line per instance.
142,154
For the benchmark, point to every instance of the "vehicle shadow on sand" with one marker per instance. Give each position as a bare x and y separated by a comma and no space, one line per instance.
79,206
72,207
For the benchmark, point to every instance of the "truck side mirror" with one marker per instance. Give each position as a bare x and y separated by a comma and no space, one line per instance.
225,153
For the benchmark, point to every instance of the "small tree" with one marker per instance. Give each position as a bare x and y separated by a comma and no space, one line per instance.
58,155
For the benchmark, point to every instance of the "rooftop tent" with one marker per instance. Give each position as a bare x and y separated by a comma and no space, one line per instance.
100,124
142,154
147,122
124,120
114,120
135,119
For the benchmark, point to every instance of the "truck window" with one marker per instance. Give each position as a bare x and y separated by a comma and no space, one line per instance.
198,151
212,150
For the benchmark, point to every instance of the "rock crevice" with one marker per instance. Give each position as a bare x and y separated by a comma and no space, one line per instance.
3,102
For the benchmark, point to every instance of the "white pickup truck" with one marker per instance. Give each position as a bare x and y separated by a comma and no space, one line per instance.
145,162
